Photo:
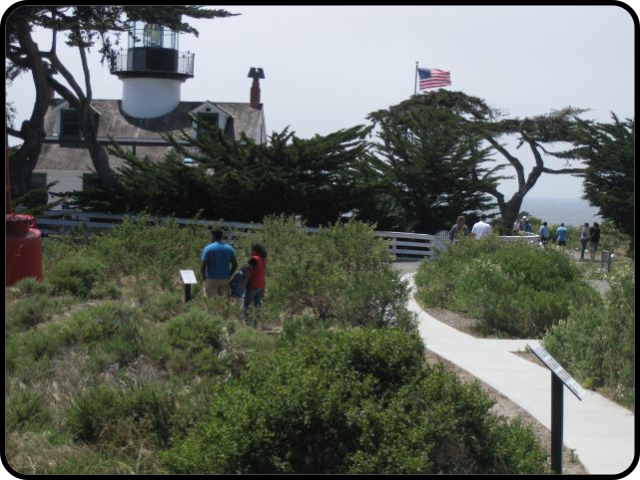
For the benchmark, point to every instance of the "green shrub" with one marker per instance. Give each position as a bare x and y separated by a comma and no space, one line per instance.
24,350
27,410
108,415
108,290
342,274
164,305
110,331
195,341
352,402
157,252
597,344
30,287
517,289
32,311
76,275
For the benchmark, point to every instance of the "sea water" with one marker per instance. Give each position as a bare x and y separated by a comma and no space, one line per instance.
571,211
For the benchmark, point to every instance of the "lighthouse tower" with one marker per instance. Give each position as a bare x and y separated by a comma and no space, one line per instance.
152,70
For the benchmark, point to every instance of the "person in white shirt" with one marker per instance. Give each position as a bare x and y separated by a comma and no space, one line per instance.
482,228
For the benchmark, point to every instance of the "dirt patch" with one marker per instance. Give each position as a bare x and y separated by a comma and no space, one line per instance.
503,405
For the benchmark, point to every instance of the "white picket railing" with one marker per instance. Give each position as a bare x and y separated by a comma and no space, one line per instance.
402,244
54,222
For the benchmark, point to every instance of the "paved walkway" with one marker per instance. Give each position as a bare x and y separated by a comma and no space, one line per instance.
600,432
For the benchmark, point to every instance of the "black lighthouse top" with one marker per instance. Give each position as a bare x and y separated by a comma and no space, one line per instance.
152,53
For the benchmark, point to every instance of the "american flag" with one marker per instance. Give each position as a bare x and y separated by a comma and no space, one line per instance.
433,78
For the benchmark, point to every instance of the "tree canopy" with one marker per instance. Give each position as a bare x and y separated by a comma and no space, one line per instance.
316,178
434,171
610,175
550,137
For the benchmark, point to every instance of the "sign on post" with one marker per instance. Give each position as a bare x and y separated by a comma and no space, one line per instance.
559,377
560,372
188,279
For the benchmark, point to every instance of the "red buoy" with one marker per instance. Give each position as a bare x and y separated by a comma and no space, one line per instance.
23,249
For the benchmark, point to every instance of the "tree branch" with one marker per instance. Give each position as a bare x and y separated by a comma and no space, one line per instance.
58,65
574,171
510,158
15,133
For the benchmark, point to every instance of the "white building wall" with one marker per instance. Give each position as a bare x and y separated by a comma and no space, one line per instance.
150,97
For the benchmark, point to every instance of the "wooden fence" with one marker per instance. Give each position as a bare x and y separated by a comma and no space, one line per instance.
402,244
56,222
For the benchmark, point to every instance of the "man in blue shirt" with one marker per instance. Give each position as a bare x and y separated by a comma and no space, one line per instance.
545,233
218,266
561,236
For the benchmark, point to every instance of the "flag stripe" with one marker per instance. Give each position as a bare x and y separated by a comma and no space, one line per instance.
433,78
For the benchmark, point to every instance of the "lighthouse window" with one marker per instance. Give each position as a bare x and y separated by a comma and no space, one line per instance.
153,35
69,125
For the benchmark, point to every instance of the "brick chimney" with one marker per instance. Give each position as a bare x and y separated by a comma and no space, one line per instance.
254,100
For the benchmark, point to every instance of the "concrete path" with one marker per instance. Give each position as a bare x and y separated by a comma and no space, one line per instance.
600,432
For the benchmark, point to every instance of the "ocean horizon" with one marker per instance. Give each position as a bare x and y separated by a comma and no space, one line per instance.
571,211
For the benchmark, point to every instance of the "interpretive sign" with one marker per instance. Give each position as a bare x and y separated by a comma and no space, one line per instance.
557,369
188,277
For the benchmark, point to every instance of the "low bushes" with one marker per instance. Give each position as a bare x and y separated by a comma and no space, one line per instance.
76,275
96,385
342,274
353,402
597,344
515,289
119,417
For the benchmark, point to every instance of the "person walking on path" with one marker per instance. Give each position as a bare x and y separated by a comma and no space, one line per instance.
218,266
256,284
481,228
594,239
545,233
561,235
458,229
584,238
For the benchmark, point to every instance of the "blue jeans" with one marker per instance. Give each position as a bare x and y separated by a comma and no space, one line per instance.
252,297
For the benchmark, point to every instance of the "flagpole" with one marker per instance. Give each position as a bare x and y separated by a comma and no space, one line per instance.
415,81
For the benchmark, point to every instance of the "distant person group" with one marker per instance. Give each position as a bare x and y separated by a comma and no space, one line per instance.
589,236
459,229
218,269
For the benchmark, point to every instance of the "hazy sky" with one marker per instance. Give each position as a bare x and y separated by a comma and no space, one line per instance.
328,67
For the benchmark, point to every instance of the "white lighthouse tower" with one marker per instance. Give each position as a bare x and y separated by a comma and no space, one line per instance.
152,70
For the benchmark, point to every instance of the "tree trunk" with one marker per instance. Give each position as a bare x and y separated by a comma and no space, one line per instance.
510,210
98,153
25,159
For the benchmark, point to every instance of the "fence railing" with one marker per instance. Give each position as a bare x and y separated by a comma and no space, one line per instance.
56,222
401,244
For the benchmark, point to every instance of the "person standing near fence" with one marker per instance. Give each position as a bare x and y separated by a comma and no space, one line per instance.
458,229
481,228
218,266
584,239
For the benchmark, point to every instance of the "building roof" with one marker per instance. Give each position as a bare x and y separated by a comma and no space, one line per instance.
144,132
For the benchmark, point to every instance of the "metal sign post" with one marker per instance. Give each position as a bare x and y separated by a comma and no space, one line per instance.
188,279
559,378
